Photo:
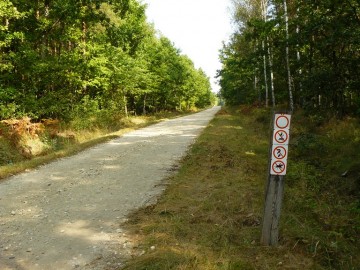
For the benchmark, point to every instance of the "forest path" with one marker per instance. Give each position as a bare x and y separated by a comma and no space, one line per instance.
67,214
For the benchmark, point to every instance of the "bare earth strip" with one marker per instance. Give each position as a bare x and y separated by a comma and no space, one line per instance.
67,214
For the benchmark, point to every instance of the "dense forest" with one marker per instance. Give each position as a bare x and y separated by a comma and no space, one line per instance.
305,54
67,58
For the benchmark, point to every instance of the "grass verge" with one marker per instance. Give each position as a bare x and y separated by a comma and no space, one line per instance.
210,215
98,131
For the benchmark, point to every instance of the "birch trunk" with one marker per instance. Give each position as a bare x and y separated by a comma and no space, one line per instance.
125,106
291,99
298,57
271,77
264,6
256,88
265,78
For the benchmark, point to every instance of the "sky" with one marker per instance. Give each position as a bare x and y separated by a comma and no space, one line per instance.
196,27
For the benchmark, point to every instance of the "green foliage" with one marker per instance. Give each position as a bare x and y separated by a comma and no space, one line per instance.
8,13
324,180
323,53
210,214
56,56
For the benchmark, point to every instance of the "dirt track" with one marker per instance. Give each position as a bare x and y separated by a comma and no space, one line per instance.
67,214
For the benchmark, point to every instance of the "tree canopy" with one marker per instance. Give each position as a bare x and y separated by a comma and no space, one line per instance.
64,57
318,39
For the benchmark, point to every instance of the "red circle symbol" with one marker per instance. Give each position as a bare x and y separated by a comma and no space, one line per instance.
278,167
282,121
279,152
281,136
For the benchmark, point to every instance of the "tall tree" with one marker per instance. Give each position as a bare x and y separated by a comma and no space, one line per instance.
324,53
60,58
289,78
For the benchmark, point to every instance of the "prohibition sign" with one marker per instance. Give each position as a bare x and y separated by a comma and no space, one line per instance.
282,121
281,136
279,152
278,167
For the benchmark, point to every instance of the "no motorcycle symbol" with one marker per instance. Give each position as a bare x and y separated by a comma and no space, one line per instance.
279,152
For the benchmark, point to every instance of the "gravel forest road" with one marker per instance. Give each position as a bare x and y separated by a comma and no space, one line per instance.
68,214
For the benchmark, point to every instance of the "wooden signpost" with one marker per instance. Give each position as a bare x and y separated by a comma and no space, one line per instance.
275,185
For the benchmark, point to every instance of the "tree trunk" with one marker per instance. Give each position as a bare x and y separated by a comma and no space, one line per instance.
256,86
144,105
291,99
265,77
298,57
271,76
125,107
264,7
256,80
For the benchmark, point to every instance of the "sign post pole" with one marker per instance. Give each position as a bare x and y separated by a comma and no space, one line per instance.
275,184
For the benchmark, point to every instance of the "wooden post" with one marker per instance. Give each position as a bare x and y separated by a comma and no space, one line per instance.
272,210
275,182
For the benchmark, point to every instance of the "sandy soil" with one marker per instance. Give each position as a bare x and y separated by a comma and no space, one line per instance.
68,214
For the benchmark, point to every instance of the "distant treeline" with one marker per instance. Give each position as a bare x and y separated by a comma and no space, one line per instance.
297,52
65,58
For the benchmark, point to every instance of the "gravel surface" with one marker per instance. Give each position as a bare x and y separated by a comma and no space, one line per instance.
68,214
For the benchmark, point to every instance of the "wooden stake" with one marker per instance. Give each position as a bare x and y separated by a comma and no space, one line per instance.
273,201
272,210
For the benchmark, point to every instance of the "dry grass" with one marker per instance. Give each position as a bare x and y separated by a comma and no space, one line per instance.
210,215
57,140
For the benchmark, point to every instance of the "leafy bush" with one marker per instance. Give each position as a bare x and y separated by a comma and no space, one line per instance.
8,110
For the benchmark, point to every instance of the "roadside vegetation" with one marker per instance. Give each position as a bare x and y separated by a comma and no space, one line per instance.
25,144
303,53
210,214
74,71
70,59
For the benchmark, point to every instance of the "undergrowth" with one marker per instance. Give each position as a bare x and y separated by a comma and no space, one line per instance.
26,143
324,181
210,215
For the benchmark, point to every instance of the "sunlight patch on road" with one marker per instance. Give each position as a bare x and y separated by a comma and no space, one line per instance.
112,167
80,229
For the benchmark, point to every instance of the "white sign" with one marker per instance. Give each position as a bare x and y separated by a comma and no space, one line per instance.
282,121
278,167
279,152
281,136
280,142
